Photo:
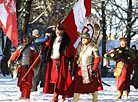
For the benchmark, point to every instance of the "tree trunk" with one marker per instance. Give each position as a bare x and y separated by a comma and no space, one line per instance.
26,16
129,25
103,69
2,36
18,6
7,54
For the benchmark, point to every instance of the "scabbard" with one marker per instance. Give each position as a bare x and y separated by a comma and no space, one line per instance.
94,73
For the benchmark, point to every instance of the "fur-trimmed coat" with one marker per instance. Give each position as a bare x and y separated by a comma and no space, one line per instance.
64,78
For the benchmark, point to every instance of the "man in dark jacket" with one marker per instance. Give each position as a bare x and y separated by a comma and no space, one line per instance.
39,75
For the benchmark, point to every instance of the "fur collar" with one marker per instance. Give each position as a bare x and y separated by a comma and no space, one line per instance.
65,41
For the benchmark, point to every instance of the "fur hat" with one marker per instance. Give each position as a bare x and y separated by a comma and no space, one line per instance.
35,32
123,39
60,26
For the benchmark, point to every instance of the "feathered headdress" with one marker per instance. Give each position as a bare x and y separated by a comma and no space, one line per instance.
123,38
93,27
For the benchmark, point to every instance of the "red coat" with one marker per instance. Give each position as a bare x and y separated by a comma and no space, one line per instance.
22,71
123,80
63,82
64,78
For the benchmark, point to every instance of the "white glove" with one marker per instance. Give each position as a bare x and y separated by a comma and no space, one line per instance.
9,64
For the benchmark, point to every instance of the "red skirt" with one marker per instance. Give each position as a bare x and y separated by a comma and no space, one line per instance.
91,87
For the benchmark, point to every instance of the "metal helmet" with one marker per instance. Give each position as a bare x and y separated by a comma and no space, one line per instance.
85,35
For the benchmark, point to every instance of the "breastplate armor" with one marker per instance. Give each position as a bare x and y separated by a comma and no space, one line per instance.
87,56
26,56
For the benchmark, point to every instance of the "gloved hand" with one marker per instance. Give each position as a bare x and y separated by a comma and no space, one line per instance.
9,63
41,52
47,43
34,68
96,63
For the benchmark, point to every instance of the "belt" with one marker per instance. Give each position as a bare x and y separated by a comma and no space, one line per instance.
24,66
55,59
86,65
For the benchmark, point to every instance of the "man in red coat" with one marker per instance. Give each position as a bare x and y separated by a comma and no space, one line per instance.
25,55
87,58
58,76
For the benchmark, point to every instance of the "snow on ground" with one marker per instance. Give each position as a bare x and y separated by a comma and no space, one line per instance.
9,92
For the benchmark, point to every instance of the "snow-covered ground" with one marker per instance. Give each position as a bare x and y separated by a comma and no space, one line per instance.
9,92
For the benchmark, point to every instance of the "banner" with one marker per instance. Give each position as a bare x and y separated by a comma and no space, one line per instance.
8,20
76,20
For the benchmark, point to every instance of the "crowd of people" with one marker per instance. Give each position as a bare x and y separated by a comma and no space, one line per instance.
48,60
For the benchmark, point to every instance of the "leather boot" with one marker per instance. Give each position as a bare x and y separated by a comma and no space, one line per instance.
28,94
24,93
55,97
120,94
63,98
95,96
126,93
76,97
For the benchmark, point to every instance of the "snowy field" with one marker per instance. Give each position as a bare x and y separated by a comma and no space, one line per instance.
9,92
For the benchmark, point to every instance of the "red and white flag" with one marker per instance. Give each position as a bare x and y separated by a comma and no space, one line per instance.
8,20
77,19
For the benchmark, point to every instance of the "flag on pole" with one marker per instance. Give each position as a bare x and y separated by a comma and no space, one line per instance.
77,19
8,20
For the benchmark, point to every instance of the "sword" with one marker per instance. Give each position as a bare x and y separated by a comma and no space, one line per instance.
94,73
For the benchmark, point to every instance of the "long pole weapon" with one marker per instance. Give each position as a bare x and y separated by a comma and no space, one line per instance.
38,57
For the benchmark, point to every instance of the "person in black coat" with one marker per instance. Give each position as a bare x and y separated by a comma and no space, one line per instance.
134,80
39,75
